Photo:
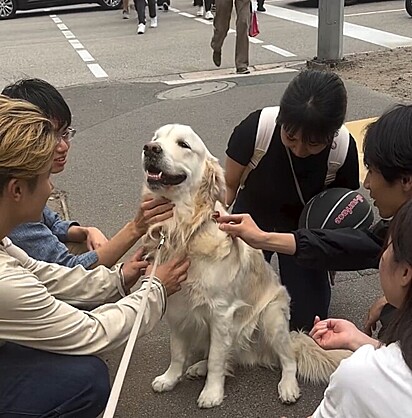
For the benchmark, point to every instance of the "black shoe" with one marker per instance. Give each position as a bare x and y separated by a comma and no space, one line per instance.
243,70
165,7
261,9
217,58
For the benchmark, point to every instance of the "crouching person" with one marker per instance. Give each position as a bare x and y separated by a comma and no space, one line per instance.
47,343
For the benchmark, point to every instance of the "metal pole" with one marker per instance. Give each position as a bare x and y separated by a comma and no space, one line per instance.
330,30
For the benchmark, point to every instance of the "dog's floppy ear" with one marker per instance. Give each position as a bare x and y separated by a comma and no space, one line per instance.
213,186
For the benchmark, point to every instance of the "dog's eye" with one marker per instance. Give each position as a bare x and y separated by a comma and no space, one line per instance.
183,144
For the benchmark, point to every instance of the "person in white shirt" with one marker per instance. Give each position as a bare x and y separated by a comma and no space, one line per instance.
376,381
48,343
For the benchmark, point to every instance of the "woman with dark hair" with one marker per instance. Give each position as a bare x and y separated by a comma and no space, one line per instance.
293,170
378,370
388,156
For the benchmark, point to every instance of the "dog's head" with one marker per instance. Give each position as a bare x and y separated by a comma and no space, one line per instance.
178,164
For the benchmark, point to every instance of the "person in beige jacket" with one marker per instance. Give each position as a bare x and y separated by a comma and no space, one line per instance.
48,343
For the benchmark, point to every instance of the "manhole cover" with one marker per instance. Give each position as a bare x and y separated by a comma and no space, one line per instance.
195,90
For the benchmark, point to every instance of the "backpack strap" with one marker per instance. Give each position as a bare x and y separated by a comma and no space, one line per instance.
337,154
266,127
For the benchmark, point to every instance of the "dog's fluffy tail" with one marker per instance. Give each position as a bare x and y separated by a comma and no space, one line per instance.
315,364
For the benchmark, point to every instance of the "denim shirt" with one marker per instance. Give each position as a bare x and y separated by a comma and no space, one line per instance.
45,241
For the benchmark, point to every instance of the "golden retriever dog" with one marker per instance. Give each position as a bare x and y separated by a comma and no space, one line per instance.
232,308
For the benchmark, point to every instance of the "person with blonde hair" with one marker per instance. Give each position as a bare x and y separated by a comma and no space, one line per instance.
66,242
48,343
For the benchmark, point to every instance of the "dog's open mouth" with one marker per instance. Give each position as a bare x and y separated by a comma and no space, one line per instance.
155,176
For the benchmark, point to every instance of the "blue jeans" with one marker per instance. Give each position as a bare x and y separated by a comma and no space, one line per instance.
36,384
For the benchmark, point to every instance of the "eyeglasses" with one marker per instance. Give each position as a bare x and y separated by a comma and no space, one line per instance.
68,135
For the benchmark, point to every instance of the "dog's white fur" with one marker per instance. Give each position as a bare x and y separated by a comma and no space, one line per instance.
232,308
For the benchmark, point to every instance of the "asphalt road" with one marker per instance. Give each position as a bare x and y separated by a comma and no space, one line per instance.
116,115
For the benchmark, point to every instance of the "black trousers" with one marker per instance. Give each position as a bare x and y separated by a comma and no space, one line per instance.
207,3
140,6
309,290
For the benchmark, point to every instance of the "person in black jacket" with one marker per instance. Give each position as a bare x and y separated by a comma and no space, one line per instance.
388,157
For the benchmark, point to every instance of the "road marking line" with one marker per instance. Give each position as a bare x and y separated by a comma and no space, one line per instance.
85,55
363,33
252,40
97,71
279,51
186,14
76,44
375,13
206,22
68,34
172,9
94,68
255,40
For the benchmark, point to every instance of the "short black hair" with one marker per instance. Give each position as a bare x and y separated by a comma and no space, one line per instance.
314,102
44,96
387,146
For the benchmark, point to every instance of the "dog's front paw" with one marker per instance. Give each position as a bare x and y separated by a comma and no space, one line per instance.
289,391
210,397
197,370
164,383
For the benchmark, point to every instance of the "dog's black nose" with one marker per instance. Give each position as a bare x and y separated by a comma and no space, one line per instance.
152,148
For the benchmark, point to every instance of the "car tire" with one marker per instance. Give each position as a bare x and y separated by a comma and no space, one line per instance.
408,7
110,4
8,9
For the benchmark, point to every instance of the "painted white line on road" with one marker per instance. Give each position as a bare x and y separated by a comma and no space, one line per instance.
231,31
255,40
76,44
68,34
375,13
172,9
206,22
94,68
186,14
279,51
363,33
97,71
85,55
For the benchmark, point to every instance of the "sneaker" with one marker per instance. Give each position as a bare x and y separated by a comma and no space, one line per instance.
209,15
141,27
165,7
125,14
217,58
243,70
153,22
200,11
261,9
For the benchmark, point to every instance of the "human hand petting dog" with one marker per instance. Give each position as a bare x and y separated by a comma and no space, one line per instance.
333,334
151,211
172,273
244,227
